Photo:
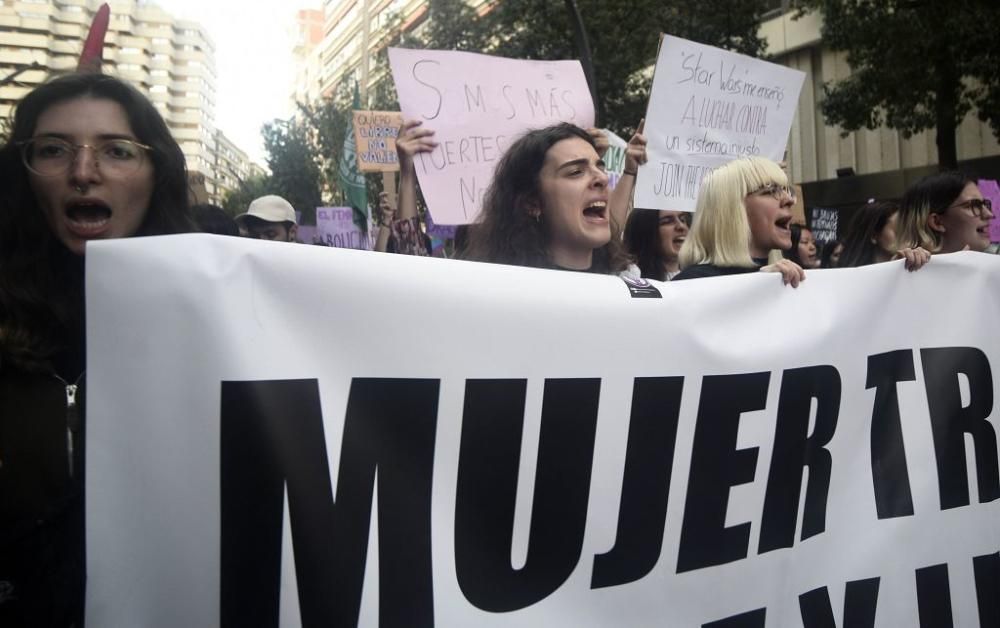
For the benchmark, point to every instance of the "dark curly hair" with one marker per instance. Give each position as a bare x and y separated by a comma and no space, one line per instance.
506,232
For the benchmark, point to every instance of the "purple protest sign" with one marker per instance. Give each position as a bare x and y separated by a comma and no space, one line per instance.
307,234
991,190
443,232
335,227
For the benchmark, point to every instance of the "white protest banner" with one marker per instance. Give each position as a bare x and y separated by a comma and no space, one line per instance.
546,450
335,227
477,105
709,106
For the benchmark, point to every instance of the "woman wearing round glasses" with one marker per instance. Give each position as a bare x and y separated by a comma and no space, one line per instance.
944,213
741,223
89,158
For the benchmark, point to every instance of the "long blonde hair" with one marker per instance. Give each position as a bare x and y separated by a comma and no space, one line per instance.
721,234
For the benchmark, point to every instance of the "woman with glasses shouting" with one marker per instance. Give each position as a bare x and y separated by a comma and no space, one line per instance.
944,213
741,223
89,158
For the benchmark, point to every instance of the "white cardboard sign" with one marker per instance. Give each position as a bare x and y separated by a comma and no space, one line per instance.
709,106
477,105
536,449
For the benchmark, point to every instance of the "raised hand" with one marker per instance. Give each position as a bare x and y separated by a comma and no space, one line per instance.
635,153
600,140
413,139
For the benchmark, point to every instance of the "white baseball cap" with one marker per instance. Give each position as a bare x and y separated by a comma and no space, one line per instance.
270,208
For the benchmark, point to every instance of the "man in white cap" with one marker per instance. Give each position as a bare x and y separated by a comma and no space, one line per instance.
269,218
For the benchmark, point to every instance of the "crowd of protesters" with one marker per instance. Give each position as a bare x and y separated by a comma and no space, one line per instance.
90,158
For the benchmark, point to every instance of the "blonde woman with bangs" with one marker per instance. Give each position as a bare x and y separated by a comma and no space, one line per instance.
741,223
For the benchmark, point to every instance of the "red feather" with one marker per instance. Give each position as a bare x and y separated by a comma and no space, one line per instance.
93,48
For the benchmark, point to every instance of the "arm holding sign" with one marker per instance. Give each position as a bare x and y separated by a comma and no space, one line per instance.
635,155
412,139
406,228
386,214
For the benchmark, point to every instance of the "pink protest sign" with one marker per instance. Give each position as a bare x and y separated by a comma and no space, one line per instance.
335,227
990,190
477,105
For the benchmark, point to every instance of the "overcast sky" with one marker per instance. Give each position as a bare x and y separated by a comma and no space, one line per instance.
253,61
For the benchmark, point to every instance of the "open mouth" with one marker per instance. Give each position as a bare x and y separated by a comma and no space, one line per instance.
597,211
984,231
680,241
783,222
88,217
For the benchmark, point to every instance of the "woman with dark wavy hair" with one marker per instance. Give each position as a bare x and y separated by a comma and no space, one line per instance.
654,239
547,207
871,235
89,158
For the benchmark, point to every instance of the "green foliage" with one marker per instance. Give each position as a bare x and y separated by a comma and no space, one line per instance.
916,65
624,38
295,173
238,200
454,26
325,123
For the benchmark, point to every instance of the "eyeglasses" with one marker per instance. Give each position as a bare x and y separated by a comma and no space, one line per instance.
979,207
53,156
775,191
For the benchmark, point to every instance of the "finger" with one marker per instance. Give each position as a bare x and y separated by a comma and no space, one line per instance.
415,134
409,124
642,126
798,276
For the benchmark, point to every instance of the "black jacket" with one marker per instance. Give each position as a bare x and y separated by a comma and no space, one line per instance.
42,560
